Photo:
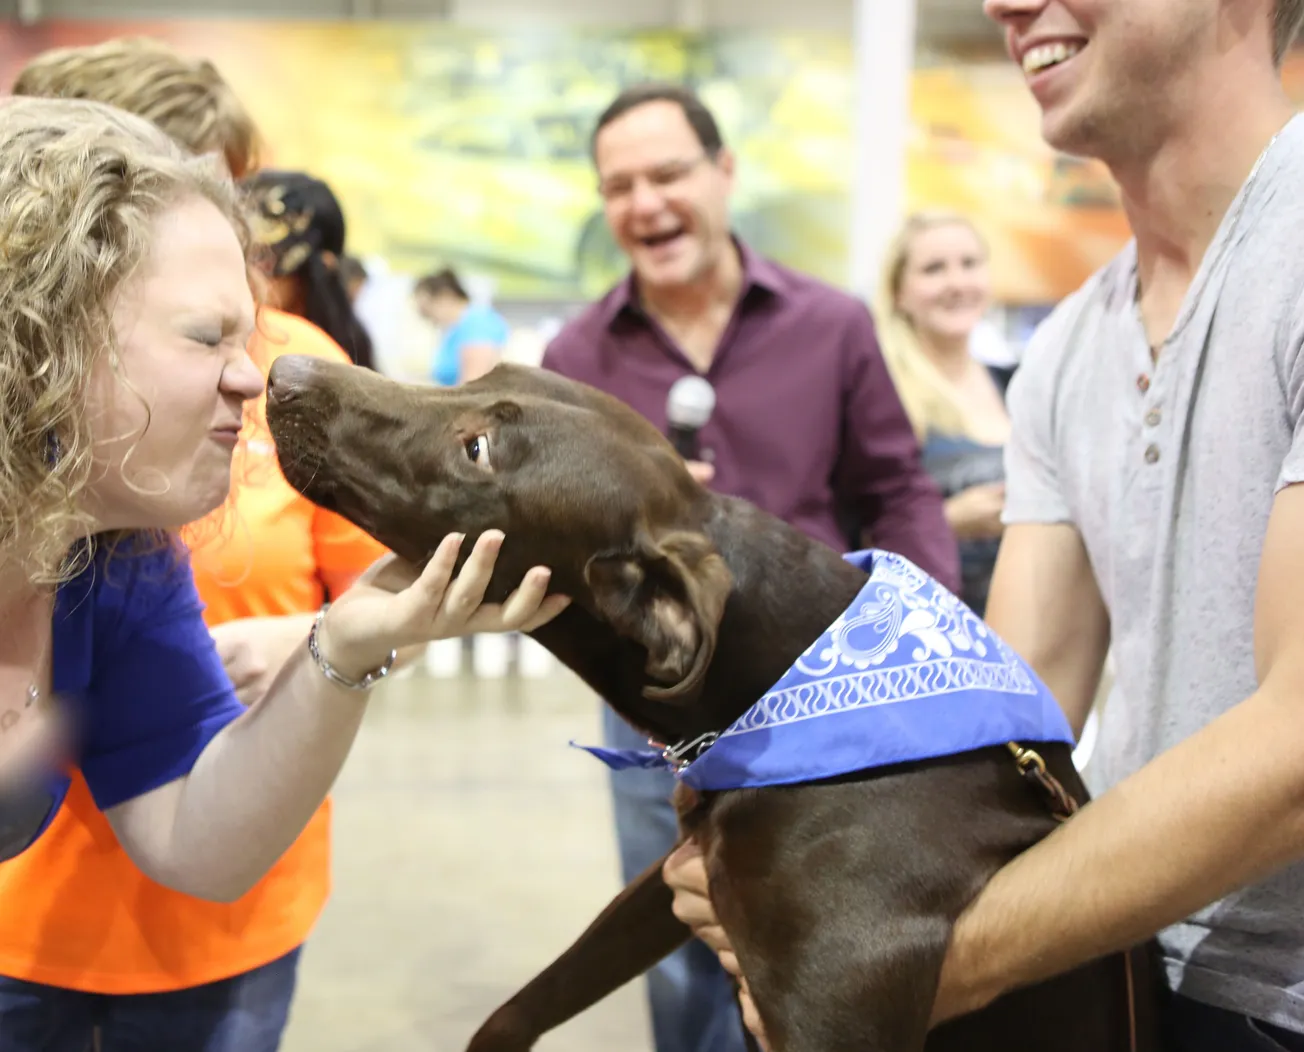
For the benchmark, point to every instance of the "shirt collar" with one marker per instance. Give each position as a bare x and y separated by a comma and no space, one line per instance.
758,273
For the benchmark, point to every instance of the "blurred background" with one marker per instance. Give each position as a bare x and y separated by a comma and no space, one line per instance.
456,132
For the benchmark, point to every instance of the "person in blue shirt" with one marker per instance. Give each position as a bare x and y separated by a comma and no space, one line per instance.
125,309
474,334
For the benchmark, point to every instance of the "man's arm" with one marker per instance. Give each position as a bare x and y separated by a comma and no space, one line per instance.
1221,810
1045,603
880,467
1044,599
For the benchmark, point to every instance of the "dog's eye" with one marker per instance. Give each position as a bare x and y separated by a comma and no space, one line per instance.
477,451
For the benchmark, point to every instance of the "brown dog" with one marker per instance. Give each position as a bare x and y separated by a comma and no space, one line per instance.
838,895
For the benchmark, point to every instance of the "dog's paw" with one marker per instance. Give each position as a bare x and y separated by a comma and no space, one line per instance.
507,1030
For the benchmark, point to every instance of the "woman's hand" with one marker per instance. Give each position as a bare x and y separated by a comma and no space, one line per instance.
392,605
253,649
975,513
685,874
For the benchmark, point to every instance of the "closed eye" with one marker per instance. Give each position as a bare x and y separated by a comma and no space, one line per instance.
477,451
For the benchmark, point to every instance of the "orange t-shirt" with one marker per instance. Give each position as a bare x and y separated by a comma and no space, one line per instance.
74,911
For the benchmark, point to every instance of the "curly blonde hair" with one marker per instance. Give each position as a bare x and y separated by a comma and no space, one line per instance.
81,184
929,400
184,96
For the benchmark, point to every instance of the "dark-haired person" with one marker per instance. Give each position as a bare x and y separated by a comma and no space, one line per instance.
474,334
298,221
807,424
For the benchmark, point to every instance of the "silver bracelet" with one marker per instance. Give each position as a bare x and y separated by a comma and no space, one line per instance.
366,682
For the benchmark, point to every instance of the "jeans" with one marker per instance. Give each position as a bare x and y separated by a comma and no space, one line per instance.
691,997
246,1013
1190,1026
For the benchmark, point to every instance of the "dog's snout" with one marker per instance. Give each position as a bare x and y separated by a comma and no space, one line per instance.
288,377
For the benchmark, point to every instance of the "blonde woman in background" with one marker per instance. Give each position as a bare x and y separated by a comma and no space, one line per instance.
935,290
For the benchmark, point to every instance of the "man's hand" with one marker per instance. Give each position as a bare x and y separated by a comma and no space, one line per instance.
685,875
701,471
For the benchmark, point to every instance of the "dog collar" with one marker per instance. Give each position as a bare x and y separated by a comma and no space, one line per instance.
907,672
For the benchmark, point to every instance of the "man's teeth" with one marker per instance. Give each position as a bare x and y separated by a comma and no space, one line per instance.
1046,55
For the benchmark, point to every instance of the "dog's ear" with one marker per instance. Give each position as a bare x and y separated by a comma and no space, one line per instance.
668,595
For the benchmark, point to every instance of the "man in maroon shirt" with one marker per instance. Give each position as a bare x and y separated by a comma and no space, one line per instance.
806,425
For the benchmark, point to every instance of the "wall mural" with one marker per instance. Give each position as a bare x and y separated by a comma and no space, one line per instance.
449,144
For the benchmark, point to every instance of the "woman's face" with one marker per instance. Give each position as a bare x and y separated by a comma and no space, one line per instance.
945,285
165,418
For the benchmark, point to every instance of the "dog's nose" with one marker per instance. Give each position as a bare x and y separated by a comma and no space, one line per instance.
287,377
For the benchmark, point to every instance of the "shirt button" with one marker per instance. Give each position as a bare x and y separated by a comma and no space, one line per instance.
1152,454
708,455
1153,417
1143,383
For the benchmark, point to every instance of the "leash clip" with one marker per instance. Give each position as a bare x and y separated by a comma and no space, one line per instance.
1033,767
681,754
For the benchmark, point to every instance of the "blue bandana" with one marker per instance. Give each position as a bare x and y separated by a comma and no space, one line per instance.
907,672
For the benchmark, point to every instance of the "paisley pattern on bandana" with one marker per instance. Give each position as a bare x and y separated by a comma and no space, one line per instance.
908,672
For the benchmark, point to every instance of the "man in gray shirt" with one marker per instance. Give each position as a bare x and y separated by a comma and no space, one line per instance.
1154,500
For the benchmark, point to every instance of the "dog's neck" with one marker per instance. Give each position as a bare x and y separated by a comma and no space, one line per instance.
787,590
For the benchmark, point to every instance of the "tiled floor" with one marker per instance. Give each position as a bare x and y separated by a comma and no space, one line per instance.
471,846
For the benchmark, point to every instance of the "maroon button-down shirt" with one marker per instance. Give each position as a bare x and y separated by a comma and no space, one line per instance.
806,419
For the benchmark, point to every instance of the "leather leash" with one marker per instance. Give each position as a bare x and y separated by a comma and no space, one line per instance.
1033,768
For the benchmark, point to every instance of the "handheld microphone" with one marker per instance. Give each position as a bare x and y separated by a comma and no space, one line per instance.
688,407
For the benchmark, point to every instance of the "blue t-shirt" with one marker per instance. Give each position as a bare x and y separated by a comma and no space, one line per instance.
478,324
135,664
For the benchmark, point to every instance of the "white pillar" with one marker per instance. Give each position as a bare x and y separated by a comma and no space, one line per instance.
884,41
